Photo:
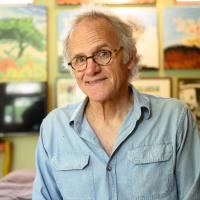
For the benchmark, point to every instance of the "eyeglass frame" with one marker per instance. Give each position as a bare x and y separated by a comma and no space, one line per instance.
92,57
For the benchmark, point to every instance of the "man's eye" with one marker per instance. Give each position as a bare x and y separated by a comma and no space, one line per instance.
79,60
103,54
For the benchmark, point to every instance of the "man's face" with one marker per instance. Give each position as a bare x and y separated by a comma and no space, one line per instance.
99,83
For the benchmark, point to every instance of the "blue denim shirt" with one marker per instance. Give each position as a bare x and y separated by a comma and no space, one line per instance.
156,155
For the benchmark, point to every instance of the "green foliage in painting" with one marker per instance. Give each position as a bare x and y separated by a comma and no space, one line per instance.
23,32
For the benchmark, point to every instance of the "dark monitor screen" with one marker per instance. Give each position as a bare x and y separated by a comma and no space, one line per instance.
23,105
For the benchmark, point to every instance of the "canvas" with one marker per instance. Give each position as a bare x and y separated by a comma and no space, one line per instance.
182,38
189,92
154,86
67,91
73,2
23,53
145,32
63,25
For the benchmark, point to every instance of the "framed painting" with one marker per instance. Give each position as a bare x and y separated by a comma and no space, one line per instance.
75,2
67,91
189,92
144,23
181,38
16,2
62,28
23,36
154,86
187,1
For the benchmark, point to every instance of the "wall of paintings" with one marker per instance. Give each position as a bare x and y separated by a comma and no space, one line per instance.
168,39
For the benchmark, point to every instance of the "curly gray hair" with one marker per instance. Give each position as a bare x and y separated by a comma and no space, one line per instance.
123,28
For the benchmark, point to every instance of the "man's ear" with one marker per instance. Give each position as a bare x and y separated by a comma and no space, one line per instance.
132,60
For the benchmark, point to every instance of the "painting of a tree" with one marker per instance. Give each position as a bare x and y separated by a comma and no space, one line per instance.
23,43
23,32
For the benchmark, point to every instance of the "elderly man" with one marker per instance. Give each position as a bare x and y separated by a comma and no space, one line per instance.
118,144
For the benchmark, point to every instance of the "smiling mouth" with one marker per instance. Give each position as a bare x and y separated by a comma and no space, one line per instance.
95,81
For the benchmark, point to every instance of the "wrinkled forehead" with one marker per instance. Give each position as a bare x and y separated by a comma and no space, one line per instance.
93,31
93,22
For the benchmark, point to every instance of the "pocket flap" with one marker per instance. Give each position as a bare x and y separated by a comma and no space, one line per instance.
150,154
71,160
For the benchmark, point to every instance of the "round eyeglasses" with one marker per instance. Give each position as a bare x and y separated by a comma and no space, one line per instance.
101,57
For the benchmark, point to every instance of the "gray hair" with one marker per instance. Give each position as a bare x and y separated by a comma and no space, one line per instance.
124,30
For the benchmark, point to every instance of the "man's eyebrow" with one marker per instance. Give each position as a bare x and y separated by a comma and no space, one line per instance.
96,49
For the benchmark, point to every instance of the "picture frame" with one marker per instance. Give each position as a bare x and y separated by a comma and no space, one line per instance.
188,90
181,37
158,86
183,2
67,91
17,2
62,28
145,31
112,2
23,58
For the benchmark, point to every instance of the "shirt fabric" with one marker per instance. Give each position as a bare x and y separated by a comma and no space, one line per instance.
156,155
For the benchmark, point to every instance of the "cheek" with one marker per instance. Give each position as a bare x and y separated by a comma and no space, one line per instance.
78,76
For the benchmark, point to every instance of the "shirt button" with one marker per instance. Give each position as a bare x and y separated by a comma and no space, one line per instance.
109,168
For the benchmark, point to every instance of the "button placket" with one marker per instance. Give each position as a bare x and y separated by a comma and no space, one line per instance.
109,168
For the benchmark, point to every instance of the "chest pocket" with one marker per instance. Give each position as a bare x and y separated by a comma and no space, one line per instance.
73,175
151,171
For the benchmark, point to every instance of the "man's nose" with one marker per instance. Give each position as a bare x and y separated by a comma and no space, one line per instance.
92,66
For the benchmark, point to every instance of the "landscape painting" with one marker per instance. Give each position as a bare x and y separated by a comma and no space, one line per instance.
67,91
188,1
154,86
189,92
23,54
63,24
74,2
144,23
182,38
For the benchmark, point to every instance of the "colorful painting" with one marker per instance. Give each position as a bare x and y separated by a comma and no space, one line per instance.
23,54
189,92
154,86
16,2
145,33
63,21
188,1
74,2
182,38
67,91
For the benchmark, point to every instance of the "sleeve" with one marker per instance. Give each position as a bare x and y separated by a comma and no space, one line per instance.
188,158
44,186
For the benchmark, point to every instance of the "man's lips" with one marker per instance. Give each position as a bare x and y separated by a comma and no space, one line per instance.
95,81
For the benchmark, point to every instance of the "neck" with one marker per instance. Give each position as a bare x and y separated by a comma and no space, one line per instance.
111,110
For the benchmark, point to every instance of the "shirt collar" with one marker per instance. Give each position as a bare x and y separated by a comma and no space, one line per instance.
78,114
141,105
